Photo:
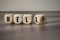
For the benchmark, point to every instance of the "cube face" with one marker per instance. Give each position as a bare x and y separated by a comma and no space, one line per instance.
8,18
27,18
17,18
39,18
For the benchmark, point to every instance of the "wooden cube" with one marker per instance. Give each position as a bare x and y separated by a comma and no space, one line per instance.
8,18
17,18
27,18
39,19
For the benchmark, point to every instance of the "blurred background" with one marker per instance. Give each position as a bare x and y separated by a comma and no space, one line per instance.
29,5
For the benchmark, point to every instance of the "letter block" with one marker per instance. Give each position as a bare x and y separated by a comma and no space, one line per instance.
17,18
8,18
39,19
27,18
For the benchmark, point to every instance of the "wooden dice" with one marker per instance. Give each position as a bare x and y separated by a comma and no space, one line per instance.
39,19
17,18
27,18
8,18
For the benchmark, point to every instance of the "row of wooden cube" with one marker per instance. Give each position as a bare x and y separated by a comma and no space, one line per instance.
26,18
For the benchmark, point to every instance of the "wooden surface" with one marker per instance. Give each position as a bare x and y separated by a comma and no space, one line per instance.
49,31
